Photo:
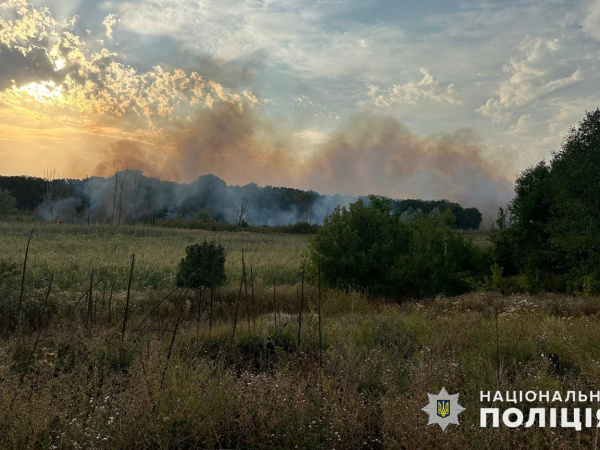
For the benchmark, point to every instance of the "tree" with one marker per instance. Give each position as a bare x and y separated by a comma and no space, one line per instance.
88,190
28,191
202,267
310,211
243,207
470,219
371,249
202,216
8,204
530,213
50,191
466,218
575,208
555,214
119,186
504,252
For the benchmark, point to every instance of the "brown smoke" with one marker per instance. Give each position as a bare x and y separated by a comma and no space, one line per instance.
232,143
368,155
379,155
126,154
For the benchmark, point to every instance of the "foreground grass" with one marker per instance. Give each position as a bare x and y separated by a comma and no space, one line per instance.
263,390
66,384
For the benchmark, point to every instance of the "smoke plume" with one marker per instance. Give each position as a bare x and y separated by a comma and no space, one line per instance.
368,155
379,155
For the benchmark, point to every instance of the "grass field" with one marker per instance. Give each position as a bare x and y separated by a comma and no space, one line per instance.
72,251
167,383
480,238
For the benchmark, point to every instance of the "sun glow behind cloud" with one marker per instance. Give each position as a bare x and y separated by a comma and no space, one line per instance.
63,81
171,76
58,62
49,62
43,92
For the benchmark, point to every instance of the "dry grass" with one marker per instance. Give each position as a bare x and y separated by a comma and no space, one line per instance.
262,390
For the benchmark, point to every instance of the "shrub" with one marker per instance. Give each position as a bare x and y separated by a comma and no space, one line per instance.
203,266
370,249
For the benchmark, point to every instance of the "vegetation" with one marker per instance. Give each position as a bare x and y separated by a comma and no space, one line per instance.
72,250
29,191
549,235
203,266
465,218
197,224
371,249
130,197
323,361
70,382
8,204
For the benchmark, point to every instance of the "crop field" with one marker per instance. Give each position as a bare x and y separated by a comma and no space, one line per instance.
89,371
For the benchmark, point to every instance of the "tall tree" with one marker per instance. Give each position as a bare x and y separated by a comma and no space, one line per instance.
50,191
119,186
243,207
88,189
576,195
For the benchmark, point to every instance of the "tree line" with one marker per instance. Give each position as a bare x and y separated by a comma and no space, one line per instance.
129,197
548,237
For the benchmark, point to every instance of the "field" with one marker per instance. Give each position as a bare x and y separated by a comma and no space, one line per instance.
71,251
69,379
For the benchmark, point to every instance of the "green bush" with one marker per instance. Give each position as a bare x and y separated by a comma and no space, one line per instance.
203,266
370,249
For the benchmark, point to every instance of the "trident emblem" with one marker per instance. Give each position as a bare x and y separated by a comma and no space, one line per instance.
443,408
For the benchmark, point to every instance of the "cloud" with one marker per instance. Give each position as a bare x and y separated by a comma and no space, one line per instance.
591,22
524,126
494,109
311,136
169,74
428,89
109,22
293,33
539,70
20,65
95,82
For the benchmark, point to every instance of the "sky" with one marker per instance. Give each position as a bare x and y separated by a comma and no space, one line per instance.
432,99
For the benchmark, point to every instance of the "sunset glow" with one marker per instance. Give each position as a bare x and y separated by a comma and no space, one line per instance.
43,92
460,110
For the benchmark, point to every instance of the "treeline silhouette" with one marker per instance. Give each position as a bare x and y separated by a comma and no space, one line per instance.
131,197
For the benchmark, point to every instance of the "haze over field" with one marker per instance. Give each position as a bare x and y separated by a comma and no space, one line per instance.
443,99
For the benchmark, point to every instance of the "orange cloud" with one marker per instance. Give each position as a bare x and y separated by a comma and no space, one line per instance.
72,75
